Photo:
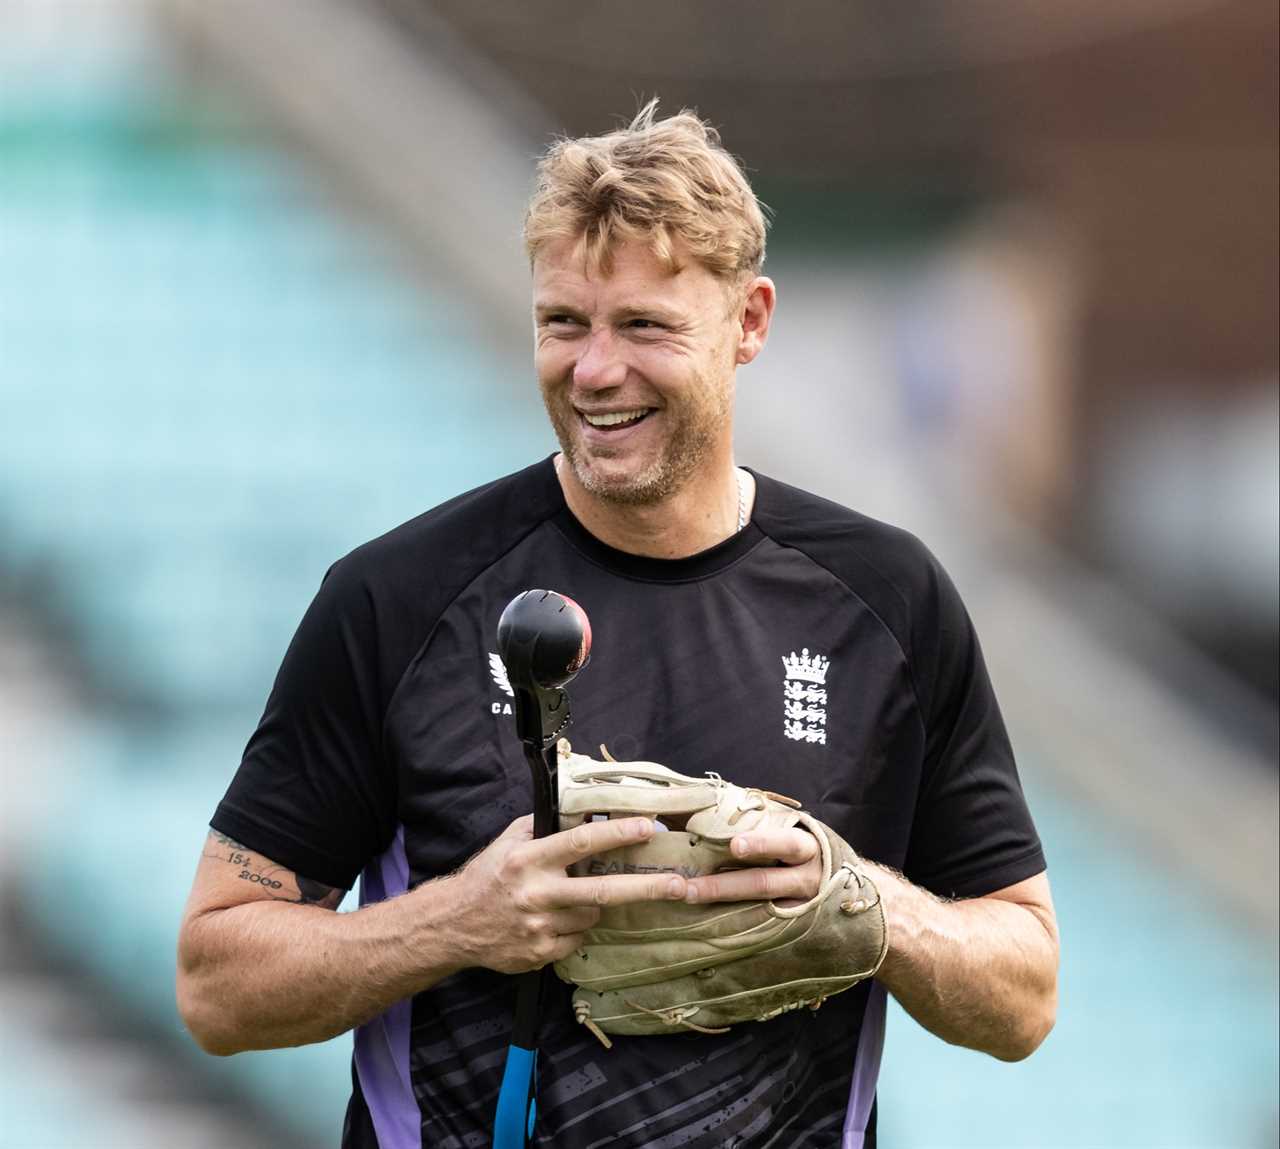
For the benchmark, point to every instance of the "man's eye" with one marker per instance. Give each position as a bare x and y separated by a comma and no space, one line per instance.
560,320
645,324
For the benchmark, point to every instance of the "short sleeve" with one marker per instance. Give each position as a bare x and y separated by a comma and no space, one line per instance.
313,791
972,832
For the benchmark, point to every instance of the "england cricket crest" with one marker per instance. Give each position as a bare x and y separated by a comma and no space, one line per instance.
804,696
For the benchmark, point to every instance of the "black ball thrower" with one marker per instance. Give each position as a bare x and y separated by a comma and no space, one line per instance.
544,639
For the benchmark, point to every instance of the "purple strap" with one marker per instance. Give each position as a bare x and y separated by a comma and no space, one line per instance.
866,1069
382,1045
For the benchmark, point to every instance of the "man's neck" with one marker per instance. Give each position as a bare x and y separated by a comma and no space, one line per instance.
704,512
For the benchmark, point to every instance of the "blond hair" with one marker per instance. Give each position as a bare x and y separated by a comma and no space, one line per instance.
662,182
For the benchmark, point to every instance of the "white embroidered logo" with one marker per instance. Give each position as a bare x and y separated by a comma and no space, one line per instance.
498,672
804,696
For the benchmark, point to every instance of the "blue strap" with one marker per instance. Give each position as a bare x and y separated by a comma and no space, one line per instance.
517,1100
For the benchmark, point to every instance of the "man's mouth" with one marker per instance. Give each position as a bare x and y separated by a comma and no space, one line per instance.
615,420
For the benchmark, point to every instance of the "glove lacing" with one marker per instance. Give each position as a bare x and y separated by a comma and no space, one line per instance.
676,1017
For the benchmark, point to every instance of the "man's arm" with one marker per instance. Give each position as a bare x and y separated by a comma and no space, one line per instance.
264,961
981,972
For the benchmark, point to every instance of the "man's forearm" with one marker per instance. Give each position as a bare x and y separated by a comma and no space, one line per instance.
269,963
981,973
268,974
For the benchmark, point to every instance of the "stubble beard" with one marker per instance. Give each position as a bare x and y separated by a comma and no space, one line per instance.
695,428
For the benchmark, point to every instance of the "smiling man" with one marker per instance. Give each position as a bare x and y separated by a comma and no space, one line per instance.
741,626
636,359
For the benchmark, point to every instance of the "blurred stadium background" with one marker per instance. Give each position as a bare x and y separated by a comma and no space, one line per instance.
262,297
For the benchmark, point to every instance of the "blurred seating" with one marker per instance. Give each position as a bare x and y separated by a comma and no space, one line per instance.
214,383
214,386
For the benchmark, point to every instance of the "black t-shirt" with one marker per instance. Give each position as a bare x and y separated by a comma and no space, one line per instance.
817,653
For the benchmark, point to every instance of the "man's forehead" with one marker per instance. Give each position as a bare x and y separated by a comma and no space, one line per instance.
562,268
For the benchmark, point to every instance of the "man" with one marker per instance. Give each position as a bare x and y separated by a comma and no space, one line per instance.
740,626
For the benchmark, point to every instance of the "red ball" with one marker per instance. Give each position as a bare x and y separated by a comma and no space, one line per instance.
584,649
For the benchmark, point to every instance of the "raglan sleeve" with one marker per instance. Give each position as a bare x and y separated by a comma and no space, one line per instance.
973,832
313,791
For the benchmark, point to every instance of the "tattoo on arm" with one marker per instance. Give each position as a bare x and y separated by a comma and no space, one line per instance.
221,848
272,880
318,894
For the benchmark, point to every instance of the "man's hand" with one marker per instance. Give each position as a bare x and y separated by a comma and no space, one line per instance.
780,864
980,972
517,908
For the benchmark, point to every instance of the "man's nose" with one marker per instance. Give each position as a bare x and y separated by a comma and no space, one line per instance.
600,363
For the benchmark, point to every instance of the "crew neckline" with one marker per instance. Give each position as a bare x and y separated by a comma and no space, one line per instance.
708,562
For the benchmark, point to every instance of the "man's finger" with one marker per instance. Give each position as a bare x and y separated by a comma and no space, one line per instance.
754,883
616,890
574,919
794,847
568,846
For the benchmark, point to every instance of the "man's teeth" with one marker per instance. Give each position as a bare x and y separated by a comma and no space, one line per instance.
613,418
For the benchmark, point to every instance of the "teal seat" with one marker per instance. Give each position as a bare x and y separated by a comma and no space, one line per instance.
137,820
1166,1030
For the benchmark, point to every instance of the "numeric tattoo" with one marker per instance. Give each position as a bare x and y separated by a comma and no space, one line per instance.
272,880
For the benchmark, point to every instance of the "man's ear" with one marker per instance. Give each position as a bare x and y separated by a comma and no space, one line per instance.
754,316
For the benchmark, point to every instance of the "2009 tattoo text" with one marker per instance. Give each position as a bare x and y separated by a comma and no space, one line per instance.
238,854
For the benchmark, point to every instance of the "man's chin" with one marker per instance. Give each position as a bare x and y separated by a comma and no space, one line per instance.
609,478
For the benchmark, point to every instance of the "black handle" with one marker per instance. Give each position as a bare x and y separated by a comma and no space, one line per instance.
544,639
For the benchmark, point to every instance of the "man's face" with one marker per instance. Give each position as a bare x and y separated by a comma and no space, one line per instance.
636,369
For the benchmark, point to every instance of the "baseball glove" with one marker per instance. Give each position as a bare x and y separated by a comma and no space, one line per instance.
655,967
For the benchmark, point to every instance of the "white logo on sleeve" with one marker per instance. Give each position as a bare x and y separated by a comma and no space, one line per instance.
804,696
498,672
